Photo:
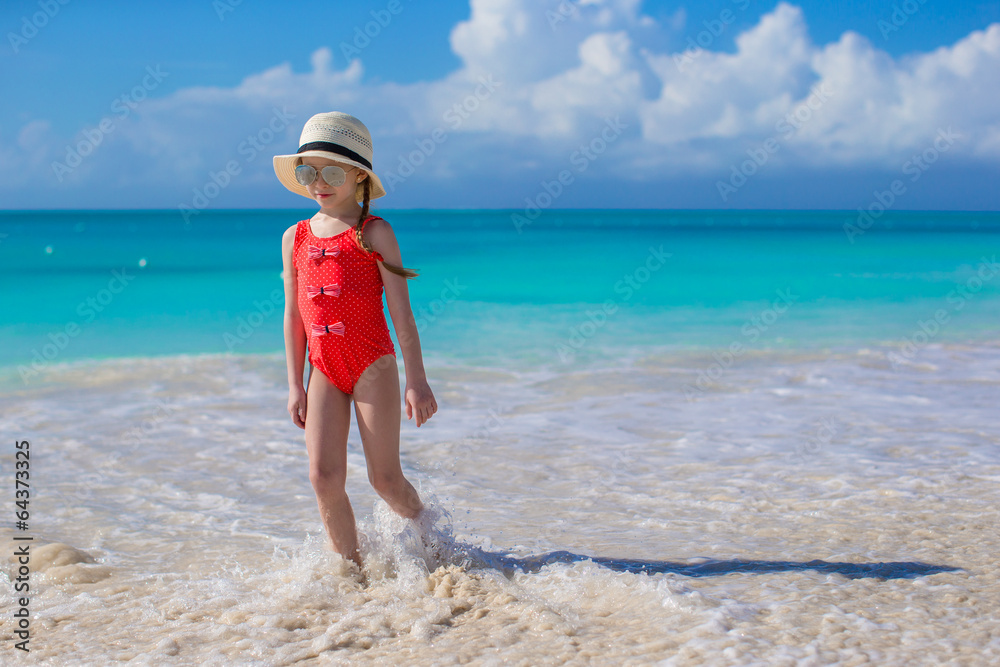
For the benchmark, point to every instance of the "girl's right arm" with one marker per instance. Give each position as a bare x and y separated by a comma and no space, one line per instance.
295,335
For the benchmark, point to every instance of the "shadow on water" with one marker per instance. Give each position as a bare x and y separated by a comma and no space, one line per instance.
715,568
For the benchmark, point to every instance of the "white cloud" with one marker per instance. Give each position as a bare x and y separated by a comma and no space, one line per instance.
709,94
560,74
560,78
604,84
878,108
525,41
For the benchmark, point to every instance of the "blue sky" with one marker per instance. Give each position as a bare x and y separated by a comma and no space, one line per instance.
561,103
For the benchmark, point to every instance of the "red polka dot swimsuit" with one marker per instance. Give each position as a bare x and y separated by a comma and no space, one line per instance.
340,301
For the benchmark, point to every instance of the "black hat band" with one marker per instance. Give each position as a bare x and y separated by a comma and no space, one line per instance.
334,148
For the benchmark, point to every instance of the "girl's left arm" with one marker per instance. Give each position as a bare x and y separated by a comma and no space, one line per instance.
418,397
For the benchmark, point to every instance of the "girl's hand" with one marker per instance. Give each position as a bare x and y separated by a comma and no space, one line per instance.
420,401
297,406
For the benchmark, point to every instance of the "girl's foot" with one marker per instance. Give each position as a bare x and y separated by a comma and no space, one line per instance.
436,542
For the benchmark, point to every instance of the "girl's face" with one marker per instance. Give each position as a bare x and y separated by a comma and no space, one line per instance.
330,196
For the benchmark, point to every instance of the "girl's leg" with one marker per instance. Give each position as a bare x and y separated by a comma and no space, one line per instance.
377,408
328,419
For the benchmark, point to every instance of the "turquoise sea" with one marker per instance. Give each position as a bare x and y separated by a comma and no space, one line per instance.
668,438
567,284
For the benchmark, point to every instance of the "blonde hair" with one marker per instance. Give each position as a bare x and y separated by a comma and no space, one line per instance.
359,237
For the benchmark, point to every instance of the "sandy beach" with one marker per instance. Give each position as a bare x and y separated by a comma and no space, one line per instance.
810,508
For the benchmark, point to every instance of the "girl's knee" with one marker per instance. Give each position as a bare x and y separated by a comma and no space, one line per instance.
388,483
328,479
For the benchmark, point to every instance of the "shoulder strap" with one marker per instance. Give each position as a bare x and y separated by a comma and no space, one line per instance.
300,233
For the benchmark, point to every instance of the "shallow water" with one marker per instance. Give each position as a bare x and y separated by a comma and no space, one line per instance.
813,507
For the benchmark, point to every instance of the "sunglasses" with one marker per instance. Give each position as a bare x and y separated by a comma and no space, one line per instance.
334,176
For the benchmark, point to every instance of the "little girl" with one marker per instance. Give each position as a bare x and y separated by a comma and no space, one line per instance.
335,266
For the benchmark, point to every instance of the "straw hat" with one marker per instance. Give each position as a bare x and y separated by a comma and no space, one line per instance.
334,136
